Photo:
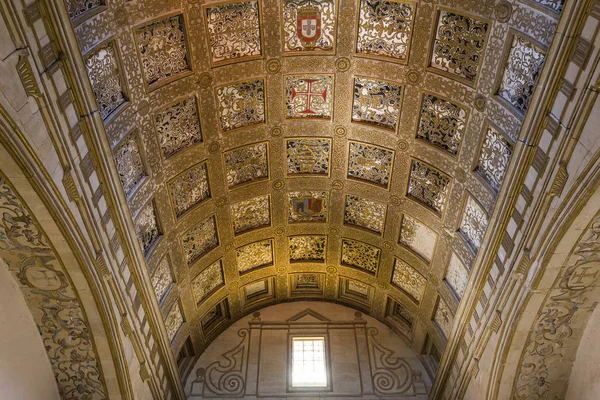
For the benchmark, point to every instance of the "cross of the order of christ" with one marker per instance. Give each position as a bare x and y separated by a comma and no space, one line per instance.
309,94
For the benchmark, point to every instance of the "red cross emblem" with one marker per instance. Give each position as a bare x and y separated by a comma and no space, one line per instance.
309,95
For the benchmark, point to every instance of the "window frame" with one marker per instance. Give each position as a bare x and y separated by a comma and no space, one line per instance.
307,389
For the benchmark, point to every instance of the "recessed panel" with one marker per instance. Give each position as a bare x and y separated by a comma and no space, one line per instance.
146,227
370,163
307,206
309,27
442,123
207,281
376,103
360,255
364,213
494,158
178,126
254,255
429,186
309,97
307,248
409,280
200,240
247,164
189,189
418,237
251,214
308,156
473,224
241,105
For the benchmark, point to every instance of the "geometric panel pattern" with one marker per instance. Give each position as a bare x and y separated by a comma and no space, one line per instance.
493,159
77,8
247,164
364,213
254,255
189,188
360,255
178,126
307,206
429,186
458,46
103,71
309,96
307,156
418,237
241,104
457,275
207,281
409,280
309,248
251,214
173,321
443,317
146,227
162,49
200,240
129,163
162,278
233,31
385,29
524,65
303,36
474,223
376,103
442,123
370,163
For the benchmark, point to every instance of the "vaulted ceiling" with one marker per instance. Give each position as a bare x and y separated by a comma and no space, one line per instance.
342,150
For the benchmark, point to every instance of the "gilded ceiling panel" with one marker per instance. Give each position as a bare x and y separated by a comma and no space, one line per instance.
409,280
376,103
457,275
307,206
247,164
309,96
494,158
162,278
129,163
360,255
429,186
251,214
443,317
189,188
241,104
178,126
365,213
200,240
77,8
442,123
254,255
173,321
418,237
308,156
309,248
474,223
146,227
370,163
206,282
309,26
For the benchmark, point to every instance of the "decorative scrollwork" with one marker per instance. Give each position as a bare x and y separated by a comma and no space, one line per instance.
227,377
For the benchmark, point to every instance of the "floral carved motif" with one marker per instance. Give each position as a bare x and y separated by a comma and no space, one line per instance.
429,186
310,248
233,31
520,76
494,158
457,275
173,321
365,213
207,281
458,46
163,49
370,163
241,104
360,255
105,77
409,280
77,8
254,255
178,127
308,156
309,26
146,227
189,188
553,5
377,103
443,317
385,29
473,224
246,164
418,237
442,123
129,163
162,278
200,240
251,214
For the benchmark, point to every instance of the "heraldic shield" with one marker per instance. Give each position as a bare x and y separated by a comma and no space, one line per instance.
307,206
308,25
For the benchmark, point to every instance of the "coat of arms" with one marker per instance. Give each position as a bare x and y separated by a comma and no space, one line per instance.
307,206
308,25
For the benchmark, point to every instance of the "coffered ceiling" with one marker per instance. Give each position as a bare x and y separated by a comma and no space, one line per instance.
342,150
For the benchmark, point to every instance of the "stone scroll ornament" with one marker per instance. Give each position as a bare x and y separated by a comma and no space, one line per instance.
51,299
226,378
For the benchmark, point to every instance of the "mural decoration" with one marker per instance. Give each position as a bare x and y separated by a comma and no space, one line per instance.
189,188
365,213
105,76
494,158
459,45
254,255
429,186
308,206
200,240
162,47
53,302
473,224
208,281
376,103
522,70
409,280
247,164
307,156
418,237
385,29
251,214
360,255
241,104
309,96
309,26
233,31
370,163
178,127
442,123
129,163
310,248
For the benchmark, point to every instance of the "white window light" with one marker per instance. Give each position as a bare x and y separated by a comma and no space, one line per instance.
309,368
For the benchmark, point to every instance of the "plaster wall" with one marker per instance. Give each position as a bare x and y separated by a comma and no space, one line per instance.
25,372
